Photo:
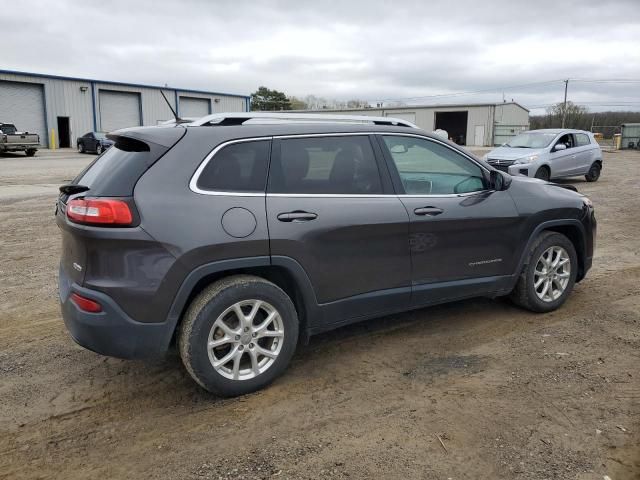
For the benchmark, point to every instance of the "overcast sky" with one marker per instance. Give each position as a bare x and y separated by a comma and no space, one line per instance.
368,49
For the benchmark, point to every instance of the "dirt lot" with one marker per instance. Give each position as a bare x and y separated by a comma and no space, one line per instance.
473,390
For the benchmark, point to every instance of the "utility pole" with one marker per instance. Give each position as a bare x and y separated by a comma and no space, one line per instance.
564,106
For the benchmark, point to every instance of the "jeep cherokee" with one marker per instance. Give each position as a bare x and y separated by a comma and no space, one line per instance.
237,236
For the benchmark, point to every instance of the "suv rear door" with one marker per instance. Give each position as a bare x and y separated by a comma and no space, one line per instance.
585,154
331,208
461,234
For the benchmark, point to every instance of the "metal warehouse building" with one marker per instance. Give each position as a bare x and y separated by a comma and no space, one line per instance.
482,124
61,109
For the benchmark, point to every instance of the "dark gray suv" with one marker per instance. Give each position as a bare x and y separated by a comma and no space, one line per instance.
239,236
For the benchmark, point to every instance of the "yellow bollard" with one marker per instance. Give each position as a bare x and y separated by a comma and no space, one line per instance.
52,142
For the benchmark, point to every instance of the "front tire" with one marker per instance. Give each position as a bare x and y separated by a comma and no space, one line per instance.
238,335
549,274
594,173
98,149
543,174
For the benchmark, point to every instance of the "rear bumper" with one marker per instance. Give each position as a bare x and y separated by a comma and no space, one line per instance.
111,332
19,147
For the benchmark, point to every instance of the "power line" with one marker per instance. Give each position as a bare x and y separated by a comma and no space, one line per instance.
471,92
590,104
511,87
611,80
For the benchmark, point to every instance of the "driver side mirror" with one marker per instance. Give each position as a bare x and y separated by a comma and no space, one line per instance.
559,147
498,181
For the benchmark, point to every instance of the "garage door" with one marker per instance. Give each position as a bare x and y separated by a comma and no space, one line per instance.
119,110
194,107
23,105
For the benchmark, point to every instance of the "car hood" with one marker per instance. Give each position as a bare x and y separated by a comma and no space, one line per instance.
509,153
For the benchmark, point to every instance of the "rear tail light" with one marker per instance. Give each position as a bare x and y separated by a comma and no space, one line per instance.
100,211
86,304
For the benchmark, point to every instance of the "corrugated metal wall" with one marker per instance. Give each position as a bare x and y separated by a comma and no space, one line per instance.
478,116
75,98
425,117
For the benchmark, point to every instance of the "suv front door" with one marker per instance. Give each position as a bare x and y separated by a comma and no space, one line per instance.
461,234
330,209
563,162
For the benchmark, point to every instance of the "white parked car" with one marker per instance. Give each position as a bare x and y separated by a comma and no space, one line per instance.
549,154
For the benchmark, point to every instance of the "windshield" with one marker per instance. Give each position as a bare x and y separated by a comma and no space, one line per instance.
531,140
100,135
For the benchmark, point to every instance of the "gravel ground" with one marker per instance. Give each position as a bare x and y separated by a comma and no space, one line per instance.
472,390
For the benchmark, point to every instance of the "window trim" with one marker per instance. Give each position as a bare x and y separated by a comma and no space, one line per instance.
193,183
395,174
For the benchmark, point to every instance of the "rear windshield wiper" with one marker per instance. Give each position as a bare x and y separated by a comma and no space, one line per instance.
71,189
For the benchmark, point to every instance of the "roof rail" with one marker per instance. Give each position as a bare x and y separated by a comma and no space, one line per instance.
240,118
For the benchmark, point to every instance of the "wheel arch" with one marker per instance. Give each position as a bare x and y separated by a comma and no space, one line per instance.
545,166
570,228
284,272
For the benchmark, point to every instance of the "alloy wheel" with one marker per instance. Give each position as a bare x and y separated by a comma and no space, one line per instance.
245,339
551,274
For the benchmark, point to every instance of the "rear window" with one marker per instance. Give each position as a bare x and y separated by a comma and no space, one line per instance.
325,165
239,167
116,171
8,129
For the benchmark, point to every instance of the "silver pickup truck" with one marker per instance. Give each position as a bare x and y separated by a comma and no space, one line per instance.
13,141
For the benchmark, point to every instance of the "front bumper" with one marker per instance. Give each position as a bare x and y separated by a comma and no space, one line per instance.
110,332
520,169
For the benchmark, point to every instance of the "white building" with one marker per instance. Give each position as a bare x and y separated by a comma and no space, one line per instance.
482,124
61,109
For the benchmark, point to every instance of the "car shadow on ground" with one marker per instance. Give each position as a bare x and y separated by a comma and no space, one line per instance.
450,318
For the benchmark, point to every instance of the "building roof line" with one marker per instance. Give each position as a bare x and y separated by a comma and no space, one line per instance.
409,107
124,84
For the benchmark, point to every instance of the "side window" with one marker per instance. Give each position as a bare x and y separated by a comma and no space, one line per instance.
239,167
325,165
430,168
582,139
567,140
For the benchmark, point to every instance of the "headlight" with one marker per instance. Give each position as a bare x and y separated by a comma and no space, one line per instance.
587,202
529,159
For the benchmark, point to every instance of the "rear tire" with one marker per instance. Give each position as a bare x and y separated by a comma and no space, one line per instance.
594,173
30,152
546,282
212,331
81,147
543,174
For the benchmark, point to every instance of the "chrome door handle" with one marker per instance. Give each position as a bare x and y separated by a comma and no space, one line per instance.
297,216
430,211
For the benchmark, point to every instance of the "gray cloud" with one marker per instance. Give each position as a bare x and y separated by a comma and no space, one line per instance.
339,49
